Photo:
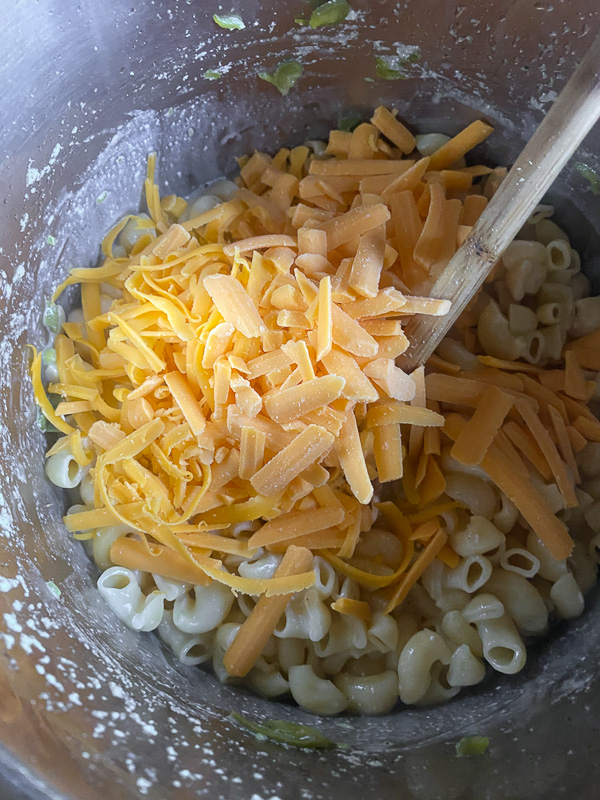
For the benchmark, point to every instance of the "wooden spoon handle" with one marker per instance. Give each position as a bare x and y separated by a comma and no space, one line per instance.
570,118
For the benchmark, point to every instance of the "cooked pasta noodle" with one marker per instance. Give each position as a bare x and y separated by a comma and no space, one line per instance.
202,609
420,654
567,597
503,648
121,589
471,574
477,537
318,695
268,682
520,561
306,617
260,480
369,694
63,470
188,649
465,668
520,599
103,540
459,631
484,606
583,567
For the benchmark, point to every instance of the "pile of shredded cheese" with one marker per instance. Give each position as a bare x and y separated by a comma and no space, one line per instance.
246,370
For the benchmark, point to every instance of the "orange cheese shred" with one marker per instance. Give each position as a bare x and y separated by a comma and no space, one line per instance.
423,560
548,448
260,624
478,434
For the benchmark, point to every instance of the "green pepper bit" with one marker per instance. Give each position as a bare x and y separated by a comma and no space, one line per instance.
472,746
589,174
330,13
282,732
231,22
54,316
284,76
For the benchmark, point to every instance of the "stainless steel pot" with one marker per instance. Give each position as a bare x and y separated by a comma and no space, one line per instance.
88,709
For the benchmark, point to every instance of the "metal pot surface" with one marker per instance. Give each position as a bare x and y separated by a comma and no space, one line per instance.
88,709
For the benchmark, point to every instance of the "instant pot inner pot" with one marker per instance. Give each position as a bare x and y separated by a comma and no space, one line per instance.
88,708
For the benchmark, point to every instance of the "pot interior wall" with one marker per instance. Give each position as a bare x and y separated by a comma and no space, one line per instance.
88,708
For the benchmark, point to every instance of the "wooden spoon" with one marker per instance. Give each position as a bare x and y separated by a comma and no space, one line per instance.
570,118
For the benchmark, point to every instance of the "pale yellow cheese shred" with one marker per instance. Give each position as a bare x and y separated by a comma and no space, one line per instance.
305,449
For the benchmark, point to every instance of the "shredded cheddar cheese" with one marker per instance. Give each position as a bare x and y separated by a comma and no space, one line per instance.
245,375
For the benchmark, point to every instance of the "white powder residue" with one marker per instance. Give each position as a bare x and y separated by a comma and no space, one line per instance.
8,584
143,785
29,643
35,175
12,624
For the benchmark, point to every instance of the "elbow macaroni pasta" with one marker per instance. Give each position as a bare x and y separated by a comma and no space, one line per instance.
369,694
420,655
315,694
203,608
503,648
121,589
63,470
189,649
465,668
342,643
520,599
